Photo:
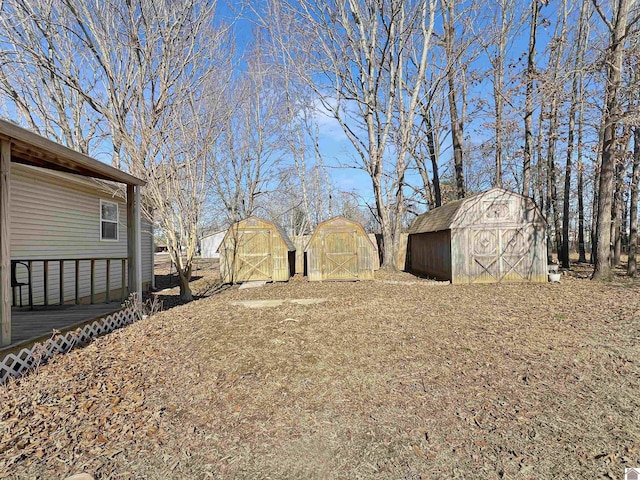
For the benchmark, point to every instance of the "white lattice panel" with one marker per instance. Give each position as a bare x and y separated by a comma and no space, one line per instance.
14,365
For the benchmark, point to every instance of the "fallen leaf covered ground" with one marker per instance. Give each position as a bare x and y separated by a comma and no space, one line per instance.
394,378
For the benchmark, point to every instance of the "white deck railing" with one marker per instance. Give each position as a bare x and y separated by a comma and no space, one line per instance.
15,365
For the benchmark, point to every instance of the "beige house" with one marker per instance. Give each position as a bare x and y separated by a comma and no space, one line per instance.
70,227
72,218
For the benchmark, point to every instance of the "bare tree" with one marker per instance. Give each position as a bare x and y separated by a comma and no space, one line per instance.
35,46
617,27
618,204
142,62
449,17
576,105
499,28
427,139
633,205
582,254
178,189
553,84
497,63
366,63
425,152
251,145
528,109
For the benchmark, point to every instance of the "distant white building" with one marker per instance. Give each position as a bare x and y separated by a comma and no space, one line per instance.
209,244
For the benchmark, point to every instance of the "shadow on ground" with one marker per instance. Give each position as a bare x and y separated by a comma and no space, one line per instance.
201,287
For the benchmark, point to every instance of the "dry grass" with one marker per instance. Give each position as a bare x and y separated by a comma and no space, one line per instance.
396,378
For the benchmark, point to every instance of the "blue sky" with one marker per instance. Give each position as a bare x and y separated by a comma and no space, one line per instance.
336,148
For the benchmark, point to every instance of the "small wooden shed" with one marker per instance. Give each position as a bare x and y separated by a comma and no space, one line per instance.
495,236
340,249
256,249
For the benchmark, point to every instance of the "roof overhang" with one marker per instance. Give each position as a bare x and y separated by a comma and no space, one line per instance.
32,149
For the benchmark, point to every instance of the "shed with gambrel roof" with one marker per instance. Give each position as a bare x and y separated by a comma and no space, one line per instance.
340,249
256,249
494,236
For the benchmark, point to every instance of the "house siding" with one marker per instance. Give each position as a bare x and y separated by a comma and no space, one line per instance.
57,216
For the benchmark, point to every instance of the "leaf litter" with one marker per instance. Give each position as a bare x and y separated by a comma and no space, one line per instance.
394,378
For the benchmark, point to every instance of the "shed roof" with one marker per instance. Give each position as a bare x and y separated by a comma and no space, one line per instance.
211,233
30,148
444,217
290,246
438,219
333,220
285,237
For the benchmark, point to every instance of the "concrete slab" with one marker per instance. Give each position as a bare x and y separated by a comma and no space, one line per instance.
256,284
258,303
277,303
308,301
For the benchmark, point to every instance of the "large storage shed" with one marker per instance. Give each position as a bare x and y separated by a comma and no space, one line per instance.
495,236
340,249
256,249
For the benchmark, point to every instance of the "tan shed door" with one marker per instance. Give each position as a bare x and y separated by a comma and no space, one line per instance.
500,255
340,255
517,246
254,255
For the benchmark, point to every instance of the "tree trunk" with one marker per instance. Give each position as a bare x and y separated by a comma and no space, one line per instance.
602,270
576,104
456,121
616,217
389,244
539,182
633,205
184,276
548,215
564,253
456,136
498,93
183,268
624,221
594,212
611,117
427,188
433,154
582,254
389,250
553,126
528,108
552,192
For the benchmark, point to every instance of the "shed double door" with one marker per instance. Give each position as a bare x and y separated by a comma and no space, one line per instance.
340,255
501,254
253,256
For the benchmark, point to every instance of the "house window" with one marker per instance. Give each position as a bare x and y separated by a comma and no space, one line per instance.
108,220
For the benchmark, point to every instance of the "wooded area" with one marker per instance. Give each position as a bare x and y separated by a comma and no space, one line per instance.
226,113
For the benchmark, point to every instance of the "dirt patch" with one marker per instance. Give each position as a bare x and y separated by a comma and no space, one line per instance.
383,380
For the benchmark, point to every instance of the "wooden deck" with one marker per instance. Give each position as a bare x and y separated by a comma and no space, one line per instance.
30,325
